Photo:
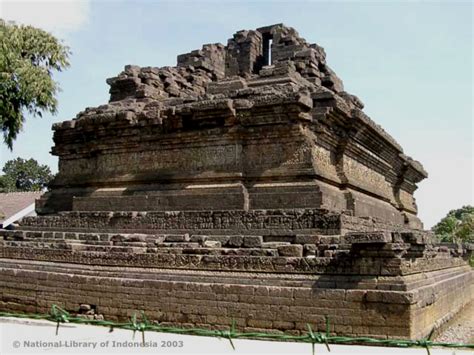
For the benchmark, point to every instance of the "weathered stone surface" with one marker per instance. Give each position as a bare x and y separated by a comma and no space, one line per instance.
232,186
235,240
166,125
84,307
212,244
274,304
307,239
177,238
252,241
290,250
368,237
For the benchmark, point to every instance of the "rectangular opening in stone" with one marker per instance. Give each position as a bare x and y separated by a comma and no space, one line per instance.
267,49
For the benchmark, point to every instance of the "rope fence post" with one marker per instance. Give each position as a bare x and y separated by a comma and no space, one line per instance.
327,334
426,342
59,315
139,326
229,334
312,338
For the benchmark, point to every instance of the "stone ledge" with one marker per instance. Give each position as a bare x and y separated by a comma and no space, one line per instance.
198,298
368,237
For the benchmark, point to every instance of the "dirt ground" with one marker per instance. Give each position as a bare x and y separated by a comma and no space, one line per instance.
460,329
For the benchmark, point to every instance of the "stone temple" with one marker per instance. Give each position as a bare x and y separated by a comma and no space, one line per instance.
242,184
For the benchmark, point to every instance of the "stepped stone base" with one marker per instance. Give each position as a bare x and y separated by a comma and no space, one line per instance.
386,307
243,183
279,274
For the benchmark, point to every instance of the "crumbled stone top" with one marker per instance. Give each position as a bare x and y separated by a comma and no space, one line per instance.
265,65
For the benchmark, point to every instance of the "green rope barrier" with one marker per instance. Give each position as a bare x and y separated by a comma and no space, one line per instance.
325,337
313,338
59,315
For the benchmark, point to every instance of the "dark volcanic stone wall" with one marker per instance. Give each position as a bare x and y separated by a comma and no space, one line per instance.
227,130
367,306
243,183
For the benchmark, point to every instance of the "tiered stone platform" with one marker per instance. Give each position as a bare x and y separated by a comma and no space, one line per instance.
232,188
373,282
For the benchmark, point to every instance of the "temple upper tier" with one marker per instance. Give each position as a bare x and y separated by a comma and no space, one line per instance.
261,123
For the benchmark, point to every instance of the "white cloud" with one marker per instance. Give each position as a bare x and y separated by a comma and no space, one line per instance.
57,16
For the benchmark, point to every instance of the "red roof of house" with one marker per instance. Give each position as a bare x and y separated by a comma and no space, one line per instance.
13,202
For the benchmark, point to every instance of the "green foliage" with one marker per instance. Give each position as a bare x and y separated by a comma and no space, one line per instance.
28,58
457,226
24,175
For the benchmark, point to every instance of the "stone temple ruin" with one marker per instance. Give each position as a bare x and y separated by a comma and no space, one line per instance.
243,183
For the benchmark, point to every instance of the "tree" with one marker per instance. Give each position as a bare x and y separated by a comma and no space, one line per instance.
457,226
28,58
24,175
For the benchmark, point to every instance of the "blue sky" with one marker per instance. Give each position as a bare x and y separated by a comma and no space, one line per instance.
409,62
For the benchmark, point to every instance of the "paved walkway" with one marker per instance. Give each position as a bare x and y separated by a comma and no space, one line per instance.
460,329
38,337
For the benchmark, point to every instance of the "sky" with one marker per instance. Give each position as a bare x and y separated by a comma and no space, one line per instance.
409,62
